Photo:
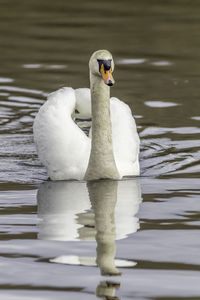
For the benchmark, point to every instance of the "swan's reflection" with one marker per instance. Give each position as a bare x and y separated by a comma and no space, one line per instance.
65,208
103,198
107,289
101,210
60,206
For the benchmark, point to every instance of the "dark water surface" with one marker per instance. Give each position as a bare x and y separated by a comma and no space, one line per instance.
144,233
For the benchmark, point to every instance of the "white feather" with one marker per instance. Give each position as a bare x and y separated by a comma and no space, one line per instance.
64,148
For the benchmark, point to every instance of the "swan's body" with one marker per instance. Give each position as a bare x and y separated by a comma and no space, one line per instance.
68,153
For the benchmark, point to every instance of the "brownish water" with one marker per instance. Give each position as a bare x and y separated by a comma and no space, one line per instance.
50,242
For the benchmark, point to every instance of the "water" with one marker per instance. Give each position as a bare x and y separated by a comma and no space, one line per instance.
57,239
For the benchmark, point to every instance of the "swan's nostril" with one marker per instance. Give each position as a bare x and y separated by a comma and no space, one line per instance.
110,83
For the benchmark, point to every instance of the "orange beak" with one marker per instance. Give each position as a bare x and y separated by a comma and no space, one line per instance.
107,76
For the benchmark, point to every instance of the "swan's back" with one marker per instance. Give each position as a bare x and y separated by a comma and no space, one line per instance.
124,132
125,138
62,147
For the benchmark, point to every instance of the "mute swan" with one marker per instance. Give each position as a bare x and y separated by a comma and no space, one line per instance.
66,151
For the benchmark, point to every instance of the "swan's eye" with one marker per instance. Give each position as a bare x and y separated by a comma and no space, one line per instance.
106,64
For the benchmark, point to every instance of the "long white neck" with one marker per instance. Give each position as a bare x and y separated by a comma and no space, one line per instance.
101,163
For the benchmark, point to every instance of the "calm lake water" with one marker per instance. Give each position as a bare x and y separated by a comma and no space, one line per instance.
142,239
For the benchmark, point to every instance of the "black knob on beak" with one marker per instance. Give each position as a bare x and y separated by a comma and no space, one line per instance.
110,83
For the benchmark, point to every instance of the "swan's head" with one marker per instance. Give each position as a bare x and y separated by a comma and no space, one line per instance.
101,64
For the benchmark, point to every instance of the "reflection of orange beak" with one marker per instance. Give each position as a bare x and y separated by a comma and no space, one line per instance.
107,76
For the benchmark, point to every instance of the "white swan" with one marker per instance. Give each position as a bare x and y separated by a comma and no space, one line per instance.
66,151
